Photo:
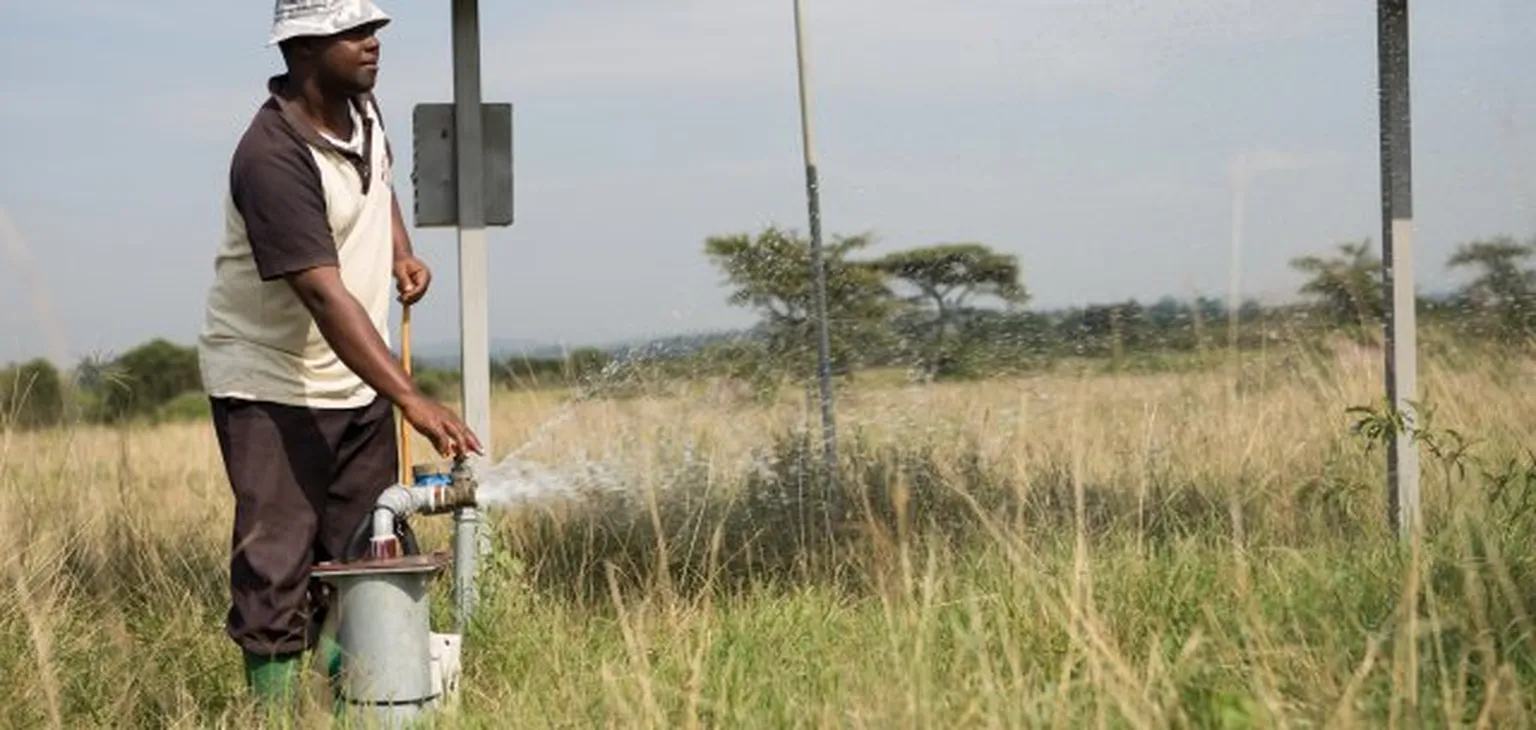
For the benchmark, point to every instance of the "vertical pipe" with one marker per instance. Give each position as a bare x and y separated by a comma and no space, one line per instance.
475,359
1397,257
818,263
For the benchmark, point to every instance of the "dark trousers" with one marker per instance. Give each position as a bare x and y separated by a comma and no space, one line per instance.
303,480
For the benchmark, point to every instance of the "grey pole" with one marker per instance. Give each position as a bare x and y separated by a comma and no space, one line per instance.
474,328
1397,257
818,263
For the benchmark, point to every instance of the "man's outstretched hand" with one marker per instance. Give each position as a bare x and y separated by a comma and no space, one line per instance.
412,278
441,426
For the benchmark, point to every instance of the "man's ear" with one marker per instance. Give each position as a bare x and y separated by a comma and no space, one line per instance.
297,49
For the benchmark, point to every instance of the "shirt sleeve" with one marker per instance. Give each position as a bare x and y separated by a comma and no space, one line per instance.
277,189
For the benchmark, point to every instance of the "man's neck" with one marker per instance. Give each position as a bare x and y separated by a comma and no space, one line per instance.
328,112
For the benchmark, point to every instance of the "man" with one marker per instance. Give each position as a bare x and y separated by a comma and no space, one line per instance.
294,352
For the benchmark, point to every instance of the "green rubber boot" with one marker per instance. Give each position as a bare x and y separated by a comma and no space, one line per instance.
328,660
328,653
275,681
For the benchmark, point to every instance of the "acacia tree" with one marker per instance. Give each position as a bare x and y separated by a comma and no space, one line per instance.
771,273
1503,289
945,280
1348,285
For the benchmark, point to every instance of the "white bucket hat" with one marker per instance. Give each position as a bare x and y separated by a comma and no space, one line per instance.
294,18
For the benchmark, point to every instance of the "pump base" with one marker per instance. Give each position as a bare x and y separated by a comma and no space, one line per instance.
384,630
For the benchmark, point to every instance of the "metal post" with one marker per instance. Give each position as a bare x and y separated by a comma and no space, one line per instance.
474,329
1397,257
818,263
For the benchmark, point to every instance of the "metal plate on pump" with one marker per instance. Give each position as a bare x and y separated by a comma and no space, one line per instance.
435,176
429,563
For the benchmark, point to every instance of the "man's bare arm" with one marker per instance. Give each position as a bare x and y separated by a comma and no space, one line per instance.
346,326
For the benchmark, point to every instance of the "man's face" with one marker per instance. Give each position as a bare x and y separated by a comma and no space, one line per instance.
349,61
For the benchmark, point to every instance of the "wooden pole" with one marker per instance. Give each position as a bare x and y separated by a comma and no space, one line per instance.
405,428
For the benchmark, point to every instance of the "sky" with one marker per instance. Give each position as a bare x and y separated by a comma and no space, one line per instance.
1095,139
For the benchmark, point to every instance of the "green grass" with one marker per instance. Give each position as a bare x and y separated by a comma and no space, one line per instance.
1123,550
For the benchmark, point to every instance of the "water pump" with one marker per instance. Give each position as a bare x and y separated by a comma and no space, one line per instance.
394,667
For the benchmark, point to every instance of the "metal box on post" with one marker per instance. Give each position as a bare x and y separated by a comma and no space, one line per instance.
435,176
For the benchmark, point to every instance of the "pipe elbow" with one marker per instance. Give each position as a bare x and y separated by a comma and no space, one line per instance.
394,503
398,499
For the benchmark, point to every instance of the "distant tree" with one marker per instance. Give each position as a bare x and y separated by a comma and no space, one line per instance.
1503,288
1209,309
1347,286
949,276
95,377
31,395
771,273
1168,313
944,280
1172,323
96,373
150,376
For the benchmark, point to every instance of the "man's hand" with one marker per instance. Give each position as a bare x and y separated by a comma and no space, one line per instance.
447,433
412,278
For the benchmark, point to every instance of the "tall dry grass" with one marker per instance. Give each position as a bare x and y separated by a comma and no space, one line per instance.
1196,549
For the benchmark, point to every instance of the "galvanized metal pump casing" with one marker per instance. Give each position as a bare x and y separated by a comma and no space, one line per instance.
386,639
395,669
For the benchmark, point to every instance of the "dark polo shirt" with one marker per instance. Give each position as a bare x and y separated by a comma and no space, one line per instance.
296,200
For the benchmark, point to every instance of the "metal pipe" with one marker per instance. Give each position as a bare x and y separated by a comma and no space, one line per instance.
475,358
818,263
383,545
466,531
402,501
1401,364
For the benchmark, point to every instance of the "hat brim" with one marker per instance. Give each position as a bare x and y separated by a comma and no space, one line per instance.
378,21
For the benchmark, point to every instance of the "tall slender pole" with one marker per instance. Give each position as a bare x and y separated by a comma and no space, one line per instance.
405,362
474,329
818,263
1397,256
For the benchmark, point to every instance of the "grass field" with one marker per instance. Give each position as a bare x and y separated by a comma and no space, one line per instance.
1188,549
